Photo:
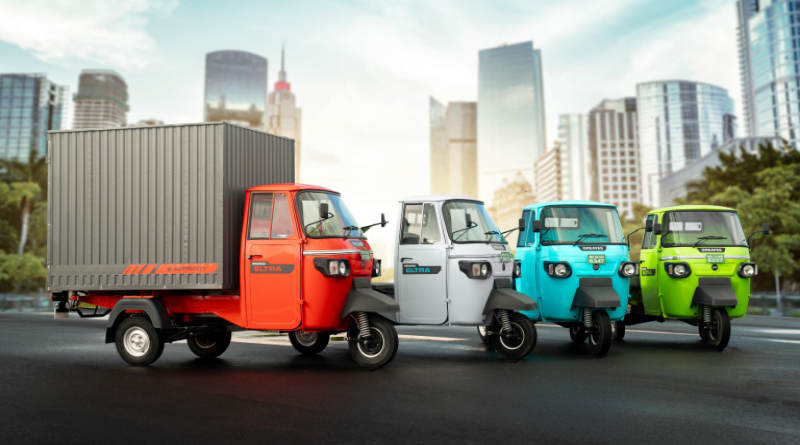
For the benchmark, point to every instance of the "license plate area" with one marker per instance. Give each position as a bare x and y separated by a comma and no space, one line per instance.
596,259
715,258
506,257
365,255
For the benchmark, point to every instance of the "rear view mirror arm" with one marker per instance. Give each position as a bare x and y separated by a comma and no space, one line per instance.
628,238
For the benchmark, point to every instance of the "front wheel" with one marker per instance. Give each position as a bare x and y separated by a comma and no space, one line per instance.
378,347
482,334
209,345
577,333
701,329
138,342
719,333
519,341
600,337
309,343
618,330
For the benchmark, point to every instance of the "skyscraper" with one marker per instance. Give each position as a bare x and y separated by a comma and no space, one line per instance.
769,67
454,157
236,88
102,100
573,140
549,176
30,105
614,154
679,123
511,122
509,200
285,118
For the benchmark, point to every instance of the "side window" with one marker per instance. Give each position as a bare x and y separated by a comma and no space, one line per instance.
430,225
646,240
282,224
260,215
523,235
412,223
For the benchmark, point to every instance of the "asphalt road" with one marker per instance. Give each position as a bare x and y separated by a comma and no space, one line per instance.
60,384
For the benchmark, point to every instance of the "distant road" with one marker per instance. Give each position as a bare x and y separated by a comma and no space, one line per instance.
60,384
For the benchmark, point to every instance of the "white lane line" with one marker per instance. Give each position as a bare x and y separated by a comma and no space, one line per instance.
796,342
423,337
779,331
659,332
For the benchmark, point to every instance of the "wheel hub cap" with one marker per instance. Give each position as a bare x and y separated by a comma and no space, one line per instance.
136,342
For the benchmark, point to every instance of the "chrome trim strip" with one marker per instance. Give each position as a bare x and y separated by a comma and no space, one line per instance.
701,257
497,255
333,252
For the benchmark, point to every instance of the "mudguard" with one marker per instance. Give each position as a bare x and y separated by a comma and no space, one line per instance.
362,298
715,292
153,308
595,292
503,296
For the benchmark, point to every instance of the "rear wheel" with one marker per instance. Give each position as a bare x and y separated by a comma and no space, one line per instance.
600,337
378,347
209,345
309,343
519,341
482,333
138,342
577,334
618,330
719,333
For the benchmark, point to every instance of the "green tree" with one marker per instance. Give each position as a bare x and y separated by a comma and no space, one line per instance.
21,272
26,180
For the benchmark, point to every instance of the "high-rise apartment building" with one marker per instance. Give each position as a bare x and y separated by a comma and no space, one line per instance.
549,174
573,140
285,117
614,154
30,105
101,100
236,88
769,67
511,122
508,201
454,157
679,123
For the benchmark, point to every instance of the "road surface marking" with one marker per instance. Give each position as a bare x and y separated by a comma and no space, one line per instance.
660,332
796,342
423,337
780,331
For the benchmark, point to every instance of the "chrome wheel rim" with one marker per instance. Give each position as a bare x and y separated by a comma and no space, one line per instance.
372,345
136,341
594,336
482,331
205,342
307,339
520,334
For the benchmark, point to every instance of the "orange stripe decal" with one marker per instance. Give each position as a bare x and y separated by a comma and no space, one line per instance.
127,269
149,269
139,269
186,268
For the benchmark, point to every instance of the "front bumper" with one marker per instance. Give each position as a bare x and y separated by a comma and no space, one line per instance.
714,292
503,296
596,292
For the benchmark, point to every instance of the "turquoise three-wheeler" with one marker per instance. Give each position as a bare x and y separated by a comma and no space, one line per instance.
573,260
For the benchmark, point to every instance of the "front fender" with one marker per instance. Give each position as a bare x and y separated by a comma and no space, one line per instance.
153,308
362,298
714,292
503,296
596,292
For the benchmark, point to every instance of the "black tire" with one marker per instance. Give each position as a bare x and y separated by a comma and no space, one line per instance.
379,348
309,343
618,330
209,345
719,332
518,343
138,342
577,333
600,336
701,329
482,334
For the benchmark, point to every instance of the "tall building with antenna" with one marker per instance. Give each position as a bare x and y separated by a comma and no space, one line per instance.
285,118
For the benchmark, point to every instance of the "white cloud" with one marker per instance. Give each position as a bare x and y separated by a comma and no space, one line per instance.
104,32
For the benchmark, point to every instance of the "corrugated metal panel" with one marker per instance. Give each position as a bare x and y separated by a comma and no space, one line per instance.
126,206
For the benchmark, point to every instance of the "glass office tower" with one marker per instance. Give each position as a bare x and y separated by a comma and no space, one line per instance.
769,58
440,161
679,123
573,140
102,100
236,88
511,120
30,105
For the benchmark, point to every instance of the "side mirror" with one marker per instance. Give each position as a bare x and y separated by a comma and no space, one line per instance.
383,220
323,210
648,225
521,224
537,225
656,229
765,228
469,220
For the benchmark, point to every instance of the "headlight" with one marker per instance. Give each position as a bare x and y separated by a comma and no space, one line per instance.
376,268
480,270
747,270
627,270
337,268
517,270
678,270
560,270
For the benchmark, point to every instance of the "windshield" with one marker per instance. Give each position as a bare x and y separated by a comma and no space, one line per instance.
340,224
588,225
482,230
705,228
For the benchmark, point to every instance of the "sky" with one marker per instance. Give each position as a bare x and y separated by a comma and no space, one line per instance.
363,70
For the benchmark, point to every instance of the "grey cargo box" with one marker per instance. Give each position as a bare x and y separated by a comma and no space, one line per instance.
154,207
